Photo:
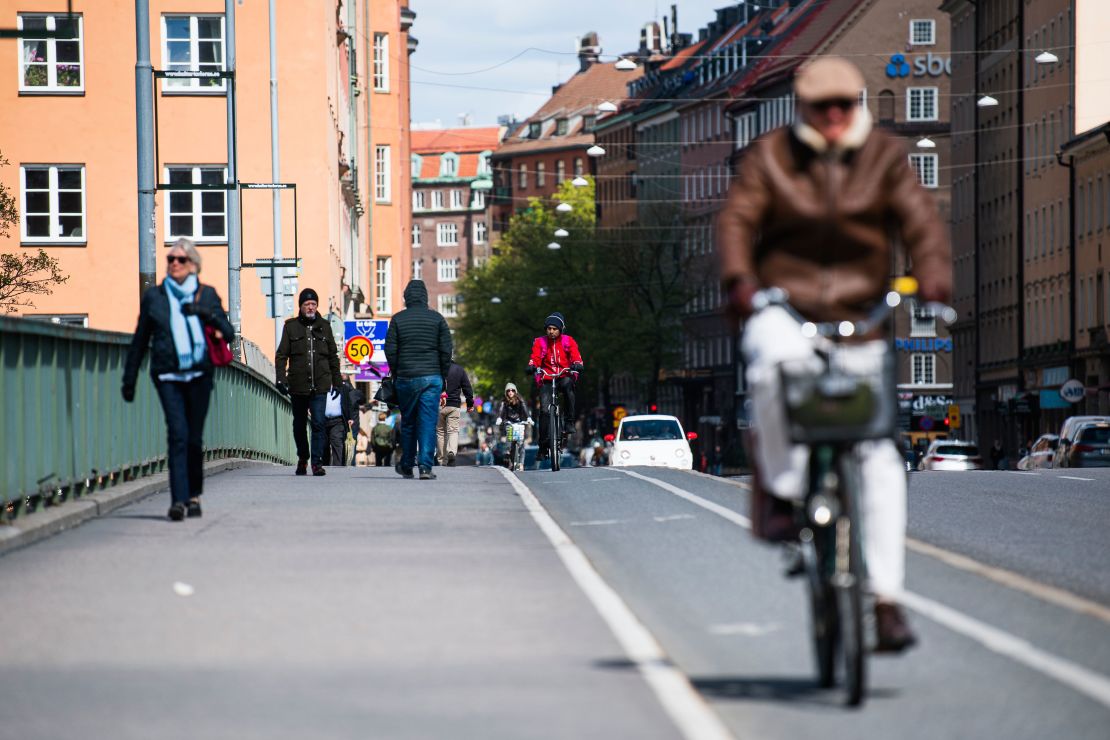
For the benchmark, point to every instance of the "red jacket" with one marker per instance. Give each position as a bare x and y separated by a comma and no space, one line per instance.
554,358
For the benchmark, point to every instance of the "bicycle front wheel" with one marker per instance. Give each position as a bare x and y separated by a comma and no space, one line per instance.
556,435
849,586
824,622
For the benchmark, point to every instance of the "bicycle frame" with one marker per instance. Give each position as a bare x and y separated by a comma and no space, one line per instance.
555,417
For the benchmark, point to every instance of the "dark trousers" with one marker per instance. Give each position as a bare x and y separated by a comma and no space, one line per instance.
337,437
419,402
185,406
382,456
317,404
566,385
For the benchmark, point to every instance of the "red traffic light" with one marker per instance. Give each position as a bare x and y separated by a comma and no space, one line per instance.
653,407
609,437
691,436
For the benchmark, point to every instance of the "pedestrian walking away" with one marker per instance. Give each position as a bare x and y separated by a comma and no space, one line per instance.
418,349
457,386
307,369
381,438
173,317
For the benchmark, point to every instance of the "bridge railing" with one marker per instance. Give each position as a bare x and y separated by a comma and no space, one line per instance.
65,429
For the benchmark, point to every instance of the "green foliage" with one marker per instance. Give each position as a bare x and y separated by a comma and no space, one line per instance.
622,297
20,277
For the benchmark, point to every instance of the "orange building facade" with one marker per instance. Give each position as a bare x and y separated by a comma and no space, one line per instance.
68,129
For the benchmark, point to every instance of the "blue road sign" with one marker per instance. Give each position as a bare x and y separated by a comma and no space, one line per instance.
372,329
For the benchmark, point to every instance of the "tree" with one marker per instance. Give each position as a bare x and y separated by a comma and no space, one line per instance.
22,275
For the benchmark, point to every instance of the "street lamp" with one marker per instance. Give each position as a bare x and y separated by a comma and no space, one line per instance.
495,299
1046,57
554,245
580,182
595,151
608,107
560,233
926,143
625,65
542,292
564,208
986,102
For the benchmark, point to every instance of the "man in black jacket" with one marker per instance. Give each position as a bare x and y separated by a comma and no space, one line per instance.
447,426
418,348
308,348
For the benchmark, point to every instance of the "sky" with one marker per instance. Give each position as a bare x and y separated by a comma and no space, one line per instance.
486,58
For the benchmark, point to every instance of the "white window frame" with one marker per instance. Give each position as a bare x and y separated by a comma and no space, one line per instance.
927,95
419,200
51,87
448,305
196,176
523,181
447,269
927,168
193,85
381,63
481,233
449,164
560,171
923,368
478,201
417,236
437,200
447,234
918,23
383,285
383,166
418,269
923,322
456,199
541,174
55,236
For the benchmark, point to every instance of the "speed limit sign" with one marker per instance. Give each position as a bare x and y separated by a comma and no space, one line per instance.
358,350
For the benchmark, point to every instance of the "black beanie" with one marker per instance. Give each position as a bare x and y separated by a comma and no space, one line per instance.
308,294
556,319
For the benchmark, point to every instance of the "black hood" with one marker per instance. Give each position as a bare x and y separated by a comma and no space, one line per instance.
416,294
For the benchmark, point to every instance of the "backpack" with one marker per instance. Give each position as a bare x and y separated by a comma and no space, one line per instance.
382,436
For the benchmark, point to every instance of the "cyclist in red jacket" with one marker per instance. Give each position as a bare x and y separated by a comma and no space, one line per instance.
553,353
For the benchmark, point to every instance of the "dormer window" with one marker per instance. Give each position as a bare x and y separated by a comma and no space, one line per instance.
417,164
449,165
561,127
588,123
534,130
483,162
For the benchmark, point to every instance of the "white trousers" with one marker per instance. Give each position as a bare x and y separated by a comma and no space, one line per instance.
772,337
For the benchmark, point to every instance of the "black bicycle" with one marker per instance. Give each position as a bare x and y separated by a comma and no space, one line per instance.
554,417
831,406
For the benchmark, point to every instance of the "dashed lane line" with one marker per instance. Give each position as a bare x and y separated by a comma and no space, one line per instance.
1094,685
1074,477
686,708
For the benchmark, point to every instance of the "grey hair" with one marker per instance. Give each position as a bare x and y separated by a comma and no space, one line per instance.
190,250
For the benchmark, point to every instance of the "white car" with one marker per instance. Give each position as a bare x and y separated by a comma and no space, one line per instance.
655,440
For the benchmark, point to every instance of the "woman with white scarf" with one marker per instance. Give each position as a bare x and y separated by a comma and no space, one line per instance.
172,321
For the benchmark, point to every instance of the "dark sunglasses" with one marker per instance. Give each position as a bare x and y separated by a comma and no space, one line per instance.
844,104
171,258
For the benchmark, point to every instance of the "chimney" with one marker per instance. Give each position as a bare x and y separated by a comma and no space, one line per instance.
588,51
674,28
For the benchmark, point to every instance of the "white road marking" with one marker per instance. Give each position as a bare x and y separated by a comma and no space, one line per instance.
747,629
598,522
1095,685
673,518
1021,472
1051,594
1073,477
693,717
598,480
1081,679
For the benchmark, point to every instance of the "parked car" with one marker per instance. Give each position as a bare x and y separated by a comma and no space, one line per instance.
1040,454
655,439
947,454
1068,432
1090,448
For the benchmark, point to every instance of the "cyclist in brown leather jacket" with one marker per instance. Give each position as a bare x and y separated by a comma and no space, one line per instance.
815,208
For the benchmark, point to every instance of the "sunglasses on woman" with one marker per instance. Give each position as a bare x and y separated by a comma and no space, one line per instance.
179,259
844,104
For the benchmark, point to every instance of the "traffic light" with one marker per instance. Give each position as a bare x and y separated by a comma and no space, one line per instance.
653,408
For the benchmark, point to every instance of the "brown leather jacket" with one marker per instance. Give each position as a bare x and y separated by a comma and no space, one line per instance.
822,224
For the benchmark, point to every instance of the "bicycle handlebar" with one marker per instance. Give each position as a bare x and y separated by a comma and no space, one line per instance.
553,376
768,297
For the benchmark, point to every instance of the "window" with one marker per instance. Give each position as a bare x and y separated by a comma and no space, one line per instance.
437,200
416,235
921,104
456,199
923,322
588,123
534,130
560,171
925,165
447,270
561,127
449,165
419,200
540,174
578,167
923,32
480,232
53,64
483,163
924,368
479,200
200,215
524,177
447,306
417,270
417,165
447,235
381,174
193,42
381,62
382,285
53,204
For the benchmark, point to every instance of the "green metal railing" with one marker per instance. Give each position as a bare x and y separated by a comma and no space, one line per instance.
65,429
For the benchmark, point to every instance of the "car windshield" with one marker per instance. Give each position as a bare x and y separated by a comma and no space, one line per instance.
969,450
1095,435
650,429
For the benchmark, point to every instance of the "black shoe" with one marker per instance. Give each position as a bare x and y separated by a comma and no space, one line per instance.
177,512
403,472
302,467
450,459
318,470
894,632
193,508
427,474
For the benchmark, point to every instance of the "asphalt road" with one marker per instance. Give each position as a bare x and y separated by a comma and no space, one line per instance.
364,606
